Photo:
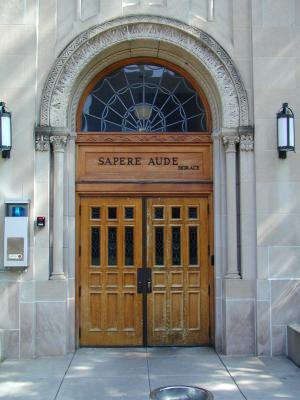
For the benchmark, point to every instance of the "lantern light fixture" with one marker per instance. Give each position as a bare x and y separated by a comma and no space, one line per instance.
5,131
285,131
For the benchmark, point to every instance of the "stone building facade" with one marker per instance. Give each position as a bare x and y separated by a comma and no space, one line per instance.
245,57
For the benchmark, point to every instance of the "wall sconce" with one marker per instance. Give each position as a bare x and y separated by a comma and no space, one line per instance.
285,131
5,131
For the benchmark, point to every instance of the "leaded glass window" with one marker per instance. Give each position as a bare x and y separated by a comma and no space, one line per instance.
159,245
143,98
112,246
95,245
176,246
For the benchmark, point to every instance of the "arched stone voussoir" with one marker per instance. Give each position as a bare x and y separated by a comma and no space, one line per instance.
57,93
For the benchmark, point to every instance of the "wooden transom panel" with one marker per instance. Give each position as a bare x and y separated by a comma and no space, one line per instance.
170,252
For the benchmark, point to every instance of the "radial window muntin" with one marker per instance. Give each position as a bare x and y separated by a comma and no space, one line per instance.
143,97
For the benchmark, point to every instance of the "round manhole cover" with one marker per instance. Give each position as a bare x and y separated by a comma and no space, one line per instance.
180,393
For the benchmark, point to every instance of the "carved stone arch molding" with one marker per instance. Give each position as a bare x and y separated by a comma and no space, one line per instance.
59,87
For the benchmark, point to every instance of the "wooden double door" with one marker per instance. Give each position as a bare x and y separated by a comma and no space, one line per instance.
144,271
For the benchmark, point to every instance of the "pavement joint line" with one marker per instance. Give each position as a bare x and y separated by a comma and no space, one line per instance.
231,376
63,378
148,369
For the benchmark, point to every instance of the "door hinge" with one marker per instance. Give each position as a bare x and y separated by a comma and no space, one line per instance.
79,250
209,331
79,291
208,249
79,210
209,290
208,208
212,260
79,333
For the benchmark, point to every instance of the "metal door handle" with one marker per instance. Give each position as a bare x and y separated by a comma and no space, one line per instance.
149,286
149,280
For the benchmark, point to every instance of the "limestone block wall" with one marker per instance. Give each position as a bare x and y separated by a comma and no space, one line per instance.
18,40
276,79
262,37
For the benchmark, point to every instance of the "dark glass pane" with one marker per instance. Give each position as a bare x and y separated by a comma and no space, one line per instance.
112,212
159,246
112,246
193,245
193,212
129,245
176,246
158,212
129,213
175,212
95,213
95,245
170,102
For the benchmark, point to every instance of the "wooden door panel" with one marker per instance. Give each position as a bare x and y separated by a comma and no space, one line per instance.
111,243
177,249
177,254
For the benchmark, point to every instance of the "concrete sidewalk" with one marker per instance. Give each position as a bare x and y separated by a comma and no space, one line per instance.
108,374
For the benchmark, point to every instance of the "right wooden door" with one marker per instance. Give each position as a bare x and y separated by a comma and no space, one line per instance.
177,262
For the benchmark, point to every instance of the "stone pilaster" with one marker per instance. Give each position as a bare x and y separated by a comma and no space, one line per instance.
230,142
58,146
247,203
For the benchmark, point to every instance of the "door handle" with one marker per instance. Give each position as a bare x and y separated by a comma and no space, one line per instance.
149,280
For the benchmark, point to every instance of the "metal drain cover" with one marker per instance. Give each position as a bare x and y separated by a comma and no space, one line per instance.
180,393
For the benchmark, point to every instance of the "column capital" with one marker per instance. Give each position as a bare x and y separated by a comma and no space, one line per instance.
216,135
58,142
246,138
230,142
42,138
247,142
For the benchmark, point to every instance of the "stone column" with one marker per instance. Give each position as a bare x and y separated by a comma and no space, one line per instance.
247,203
58,146
230,142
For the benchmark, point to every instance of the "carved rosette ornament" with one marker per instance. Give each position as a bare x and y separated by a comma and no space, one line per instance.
58,143
247,142
230,143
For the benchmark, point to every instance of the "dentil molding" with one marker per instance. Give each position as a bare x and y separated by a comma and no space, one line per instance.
85,47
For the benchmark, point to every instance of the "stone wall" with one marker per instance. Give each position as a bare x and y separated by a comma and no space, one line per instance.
263,39
276,79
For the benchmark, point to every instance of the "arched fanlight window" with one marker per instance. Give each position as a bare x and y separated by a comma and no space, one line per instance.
143,98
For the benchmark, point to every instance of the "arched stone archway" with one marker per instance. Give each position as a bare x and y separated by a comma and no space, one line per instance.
79,54
215,72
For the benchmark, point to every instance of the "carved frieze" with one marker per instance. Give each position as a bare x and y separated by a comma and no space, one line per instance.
142,138
61,80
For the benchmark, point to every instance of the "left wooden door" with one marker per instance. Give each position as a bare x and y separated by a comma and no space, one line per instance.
111,253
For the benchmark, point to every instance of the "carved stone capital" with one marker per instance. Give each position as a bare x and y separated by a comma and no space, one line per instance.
216,135
247,142
42,138
230,143
42,142
58,143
